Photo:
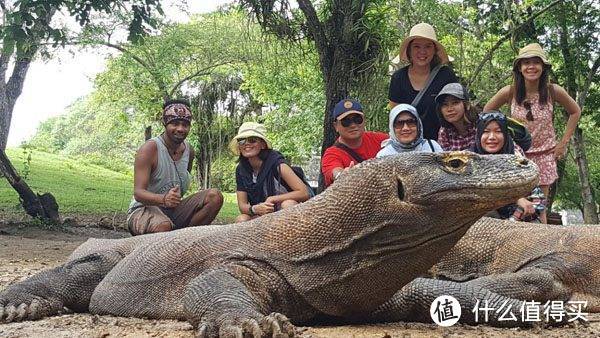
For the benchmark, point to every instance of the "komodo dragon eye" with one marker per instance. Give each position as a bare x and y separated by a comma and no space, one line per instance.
456,163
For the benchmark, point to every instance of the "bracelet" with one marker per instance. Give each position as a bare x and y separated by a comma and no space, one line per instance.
164,203
252,211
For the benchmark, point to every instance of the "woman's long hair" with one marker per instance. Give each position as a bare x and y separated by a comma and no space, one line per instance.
518,86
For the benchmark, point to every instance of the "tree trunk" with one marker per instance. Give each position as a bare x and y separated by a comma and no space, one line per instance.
587,194
148,133
39,206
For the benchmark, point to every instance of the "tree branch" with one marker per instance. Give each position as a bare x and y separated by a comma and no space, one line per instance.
159,83
203,71
314,25
588,82
507,36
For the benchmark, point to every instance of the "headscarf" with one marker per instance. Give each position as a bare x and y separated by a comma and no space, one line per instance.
268,171
484,120
393,140
176,111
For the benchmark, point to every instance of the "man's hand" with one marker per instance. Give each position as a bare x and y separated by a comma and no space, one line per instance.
340,172
263,208
172,198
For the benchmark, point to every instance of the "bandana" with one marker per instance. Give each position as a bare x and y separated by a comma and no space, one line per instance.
176,111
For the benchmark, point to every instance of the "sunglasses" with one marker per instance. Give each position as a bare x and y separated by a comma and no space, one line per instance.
527,106
492,116
249,140
399,124
354,118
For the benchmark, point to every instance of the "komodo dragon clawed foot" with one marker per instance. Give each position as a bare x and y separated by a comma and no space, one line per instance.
274,325
18,304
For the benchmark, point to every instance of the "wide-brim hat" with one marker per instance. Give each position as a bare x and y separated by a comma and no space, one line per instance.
423,31
249,129
530,51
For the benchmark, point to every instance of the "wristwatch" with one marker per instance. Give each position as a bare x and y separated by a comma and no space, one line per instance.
252,211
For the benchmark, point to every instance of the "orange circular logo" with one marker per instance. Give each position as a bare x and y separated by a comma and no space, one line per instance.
348,104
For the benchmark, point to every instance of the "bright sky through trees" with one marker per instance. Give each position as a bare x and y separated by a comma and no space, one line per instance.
53,85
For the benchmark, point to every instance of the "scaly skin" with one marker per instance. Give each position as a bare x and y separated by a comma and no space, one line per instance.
340,255
508,261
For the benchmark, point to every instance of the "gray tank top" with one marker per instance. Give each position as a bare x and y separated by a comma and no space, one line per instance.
168,173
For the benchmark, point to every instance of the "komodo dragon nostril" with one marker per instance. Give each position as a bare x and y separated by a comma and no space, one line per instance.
523,161
400,190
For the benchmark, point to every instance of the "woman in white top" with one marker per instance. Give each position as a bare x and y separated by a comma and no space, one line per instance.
406,133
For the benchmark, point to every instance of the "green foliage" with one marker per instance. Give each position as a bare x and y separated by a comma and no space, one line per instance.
223,173
94,132
31,20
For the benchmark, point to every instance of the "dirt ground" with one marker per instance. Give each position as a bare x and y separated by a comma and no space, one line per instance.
26,250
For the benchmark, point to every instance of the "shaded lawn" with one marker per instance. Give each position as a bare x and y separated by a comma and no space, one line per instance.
79,188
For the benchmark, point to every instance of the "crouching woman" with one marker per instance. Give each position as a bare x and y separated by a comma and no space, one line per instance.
265,183
493,138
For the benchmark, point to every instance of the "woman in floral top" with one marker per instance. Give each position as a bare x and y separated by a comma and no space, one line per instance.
532,98
457,118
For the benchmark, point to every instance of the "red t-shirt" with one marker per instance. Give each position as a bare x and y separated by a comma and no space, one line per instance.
335,157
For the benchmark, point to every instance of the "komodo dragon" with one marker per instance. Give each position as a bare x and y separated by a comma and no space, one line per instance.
339,255
497,259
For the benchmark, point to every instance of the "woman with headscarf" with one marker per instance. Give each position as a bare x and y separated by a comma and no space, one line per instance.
427,73
493,138
265,183
406,133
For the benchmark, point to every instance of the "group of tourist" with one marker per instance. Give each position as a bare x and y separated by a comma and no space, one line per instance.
430,112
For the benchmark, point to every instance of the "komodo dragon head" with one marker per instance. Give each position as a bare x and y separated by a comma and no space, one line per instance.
387,221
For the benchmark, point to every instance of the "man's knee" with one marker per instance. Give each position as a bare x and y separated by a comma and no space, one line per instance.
288,203
214,197
160,227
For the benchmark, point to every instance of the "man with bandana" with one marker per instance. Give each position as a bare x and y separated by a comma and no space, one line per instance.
162,176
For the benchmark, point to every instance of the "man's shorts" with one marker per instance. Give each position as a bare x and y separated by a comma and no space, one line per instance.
146,219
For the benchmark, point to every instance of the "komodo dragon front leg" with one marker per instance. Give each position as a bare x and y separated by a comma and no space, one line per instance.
70,285
238,301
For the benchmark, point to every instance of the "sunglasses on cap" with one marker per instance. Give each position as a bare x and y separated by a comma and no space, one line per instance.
352,118
399,124
492,116
249,140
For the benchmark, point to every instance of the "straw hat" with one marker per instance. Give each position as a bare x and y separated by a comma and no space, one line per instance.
425,31
249,129
532,50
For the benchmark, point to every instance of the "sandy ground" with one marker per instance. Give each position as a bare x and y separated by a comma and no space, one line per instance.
26,250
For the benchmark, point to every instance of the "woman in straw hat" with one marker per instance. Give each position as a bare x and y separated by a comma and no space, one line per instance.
531,97
265,183
426,57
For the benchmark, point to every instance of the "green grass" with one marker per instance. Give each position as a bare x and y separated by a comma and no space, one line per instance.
79,188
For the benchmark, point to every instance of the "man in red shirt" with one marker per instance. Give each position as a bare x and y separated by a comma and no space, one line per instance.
353,145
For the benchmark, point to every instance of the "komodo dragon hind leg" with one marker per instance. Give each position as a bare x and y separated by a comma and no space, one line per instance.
413,302
232,302
528,284
70,285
